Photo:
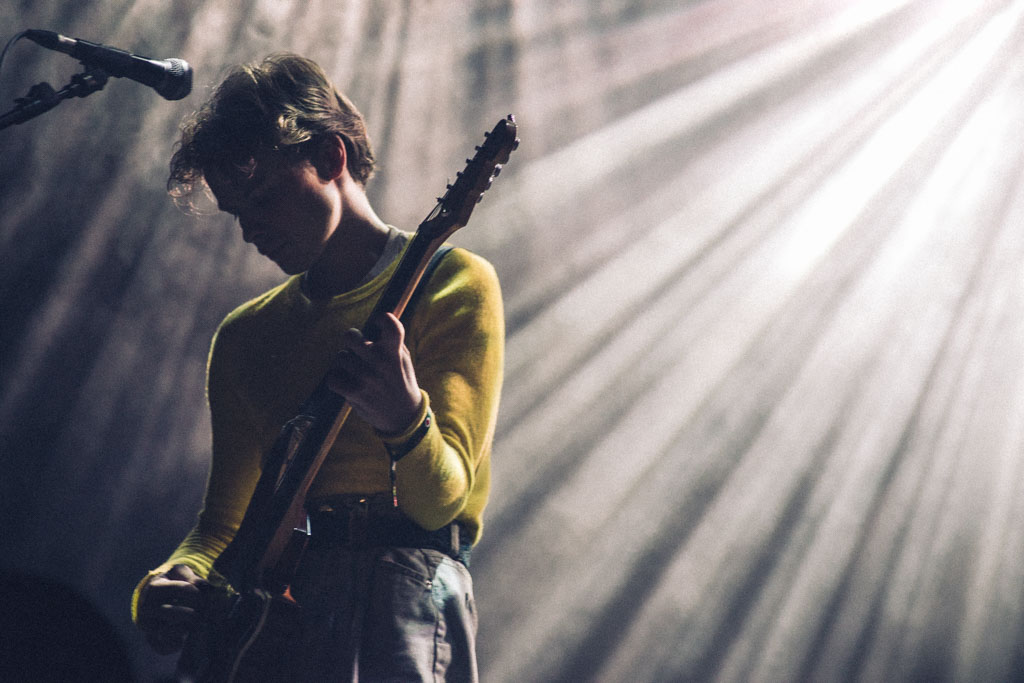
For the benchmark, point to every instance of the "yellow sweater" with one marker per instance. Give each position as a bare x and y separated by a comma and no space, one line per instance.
270,353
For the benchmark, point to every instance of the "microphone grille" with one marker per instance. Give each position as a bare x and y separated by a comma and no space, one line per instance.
178,81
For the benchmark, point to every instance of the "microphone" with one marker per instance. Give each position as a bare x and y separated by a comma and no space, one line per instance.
171,78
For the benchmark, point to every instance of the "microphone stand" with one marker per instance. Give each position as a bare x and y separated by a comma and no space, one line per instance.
42,97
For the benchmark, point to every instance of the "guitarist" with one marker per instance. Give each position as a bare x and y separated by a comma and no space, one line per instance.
383,586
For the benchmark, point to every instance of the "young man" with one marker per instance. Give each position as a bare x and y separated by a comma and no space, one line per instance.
289,157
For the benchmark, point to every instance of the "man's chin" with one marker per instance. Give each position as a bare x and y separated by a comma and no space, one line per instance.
289,266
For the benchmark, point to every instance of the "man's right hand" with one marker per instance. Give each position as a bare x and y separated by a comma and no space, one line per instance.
167,608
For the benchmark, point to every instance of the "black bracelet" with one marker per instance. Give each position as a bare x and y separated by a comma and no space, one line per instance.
400,450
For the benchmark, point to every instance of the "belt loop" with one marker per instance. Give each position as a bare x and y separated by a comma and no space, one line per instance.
357,521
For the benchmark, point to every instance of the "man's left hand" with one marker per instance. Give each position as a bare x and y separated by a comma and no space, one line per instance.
377,377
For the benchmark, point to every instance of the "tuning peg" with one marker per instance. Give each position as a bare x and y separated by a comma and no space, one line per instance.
497,171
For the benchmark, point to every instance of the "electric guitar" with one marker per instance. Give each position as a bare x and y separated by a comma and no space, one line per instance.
244,628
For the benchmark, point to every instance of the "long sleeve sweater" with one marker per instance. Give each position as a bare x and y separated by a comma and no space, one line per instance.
269,354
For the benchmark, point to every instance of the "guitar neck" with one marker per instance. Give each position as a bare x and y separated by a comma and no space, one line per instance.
407,276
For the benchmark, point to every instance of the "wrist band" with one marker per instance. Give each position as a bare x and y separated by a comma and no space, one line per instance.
400,450
397,451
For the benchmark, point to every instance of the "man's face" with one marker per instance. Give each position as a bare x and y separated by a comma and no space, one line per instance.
285,208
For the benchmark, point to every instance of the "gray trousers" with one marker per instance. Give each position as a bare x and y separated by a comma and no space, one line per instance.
384,614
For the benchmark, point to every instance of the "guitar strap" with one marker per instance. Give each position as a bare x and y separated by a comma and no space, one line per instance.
417,294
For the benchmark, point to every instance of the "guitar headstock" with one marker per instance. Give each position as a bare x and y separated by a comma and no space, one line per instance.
455,207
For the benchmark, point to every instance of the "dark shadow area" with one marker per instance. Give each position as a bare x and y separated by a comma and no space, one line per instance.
51,633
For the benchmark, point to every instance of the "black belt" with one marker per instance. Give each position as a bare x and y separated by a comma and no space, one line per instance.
361,522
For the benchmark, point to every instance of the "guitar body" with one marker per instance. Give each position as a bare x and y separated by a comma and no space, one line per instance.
242,637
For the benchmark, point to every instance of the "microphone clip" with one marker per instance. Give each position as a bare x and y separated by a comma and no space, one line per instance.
41,97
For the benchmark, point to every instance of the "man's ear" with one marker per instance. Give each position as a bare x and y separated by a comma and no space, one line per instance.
330,157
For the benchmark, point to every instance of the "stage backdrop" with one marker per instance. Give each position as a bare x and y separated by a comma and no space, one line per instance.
762,263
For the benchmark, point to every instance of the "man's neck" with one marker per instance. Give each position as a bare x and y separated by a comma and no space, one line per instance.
350,253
